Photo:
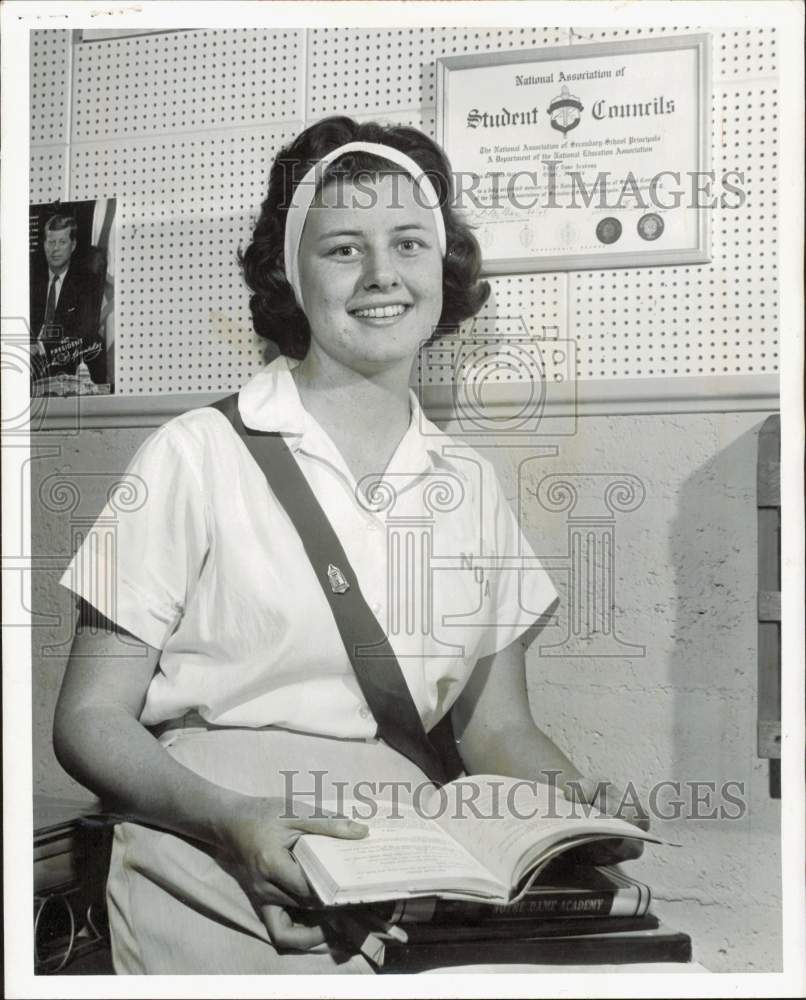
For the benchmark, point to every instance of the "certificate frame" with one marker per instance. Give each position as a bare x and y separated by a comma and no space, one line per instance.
452,71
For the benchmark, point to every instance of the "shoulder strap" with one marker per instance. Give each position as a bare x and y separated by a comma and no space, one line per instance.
374,661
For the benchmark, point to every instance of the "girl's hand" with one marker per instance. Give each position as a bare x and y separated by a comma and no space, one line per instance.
258,842
611,800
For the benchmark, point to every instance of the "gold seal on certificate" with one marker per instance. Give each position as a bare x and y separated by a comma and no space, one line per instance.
608,230
650,226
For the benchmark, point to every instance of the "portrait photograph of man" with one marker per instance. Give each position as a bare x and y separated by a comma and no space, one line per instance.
72,298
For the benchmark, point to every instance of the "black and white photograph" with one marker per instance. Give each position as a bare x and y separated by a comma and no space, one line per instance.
403,499
72,289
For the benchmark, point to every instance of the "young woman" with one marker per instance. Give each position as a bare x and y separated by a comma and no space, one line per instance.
220,675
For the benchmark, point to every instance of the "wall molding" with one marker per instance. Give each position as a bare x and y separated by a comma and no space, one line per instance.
498,402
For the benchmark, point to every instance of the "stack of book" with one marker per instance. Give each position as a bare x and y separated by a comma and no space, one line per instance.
577,915
484,885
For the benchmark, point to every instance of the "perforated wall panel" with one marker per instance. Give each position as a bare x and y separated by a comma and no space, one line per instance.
738,53
50,81
185,81
712,319
356,71
48,173
186,204
181,127
538,300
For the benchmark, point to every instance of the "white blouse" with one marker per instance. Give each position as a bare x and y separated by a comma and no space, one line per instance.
205,565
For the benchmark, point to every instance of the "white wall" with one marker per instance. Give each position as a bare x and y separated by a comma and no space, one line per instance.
685,568
685,558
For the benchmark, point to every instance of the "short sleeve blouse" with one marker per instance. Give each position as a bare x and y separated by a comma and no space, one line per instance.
203,564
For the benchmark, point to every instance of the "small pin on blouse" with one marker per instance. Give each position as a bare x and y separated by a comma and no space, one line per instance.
338,581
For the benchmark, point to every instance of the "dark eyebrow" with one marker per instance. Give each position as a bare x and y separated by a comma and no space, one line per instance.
330,234
340,232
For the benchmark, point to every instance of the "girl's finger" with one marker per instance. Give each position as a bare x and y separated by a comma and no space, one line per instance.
287,877
345,828
284,933
265,892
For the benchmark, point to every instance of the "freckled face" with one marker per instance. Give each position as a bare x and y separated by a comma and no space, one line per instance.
370,272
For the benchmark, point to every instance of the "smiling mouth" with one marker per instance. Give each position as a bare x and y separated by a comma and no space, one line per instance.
380,312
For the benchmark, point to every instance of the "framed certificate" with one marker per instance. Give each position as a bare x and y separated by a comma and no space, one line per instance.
584,156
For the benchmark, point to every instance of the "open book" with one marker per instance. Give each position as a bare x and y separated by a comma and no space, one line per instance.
480,838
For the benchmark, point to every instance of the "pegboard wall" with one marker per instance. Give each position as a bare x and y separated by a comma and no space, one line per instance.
185,81
182,300
715,319
51,60
181,128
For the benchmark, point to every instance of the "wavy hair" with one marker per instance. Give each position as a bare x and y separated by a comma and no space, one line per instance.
275,312
61,222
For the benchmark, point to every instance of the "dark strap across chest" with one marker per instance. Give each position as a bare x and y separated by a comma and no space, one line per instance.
376,666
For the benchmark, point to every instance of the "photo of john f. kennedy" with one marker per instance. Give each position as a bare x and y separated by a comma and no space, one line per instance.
71,298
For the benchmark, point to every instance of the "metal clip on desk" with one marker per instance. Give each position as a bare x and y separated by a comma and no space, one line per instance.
71,859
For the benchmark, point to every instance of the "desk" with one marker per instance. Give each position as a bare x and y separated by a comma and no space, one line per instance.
667,968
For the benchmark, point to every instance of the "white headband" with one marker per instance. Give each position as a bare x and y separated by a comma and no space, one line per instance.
305,192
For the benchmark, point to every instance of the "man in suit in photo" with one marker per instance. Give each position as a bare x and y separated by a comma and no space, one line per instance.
65,307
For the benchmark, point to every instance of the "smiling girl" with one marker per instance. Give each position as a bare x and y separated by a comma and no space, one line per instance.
234,674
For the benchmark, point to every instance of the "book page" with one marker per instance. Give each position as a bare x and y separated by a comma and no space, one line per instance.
508,823
401,855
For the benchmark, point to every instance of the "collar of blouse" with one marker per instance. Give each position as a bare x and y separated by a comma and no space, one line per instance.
270,402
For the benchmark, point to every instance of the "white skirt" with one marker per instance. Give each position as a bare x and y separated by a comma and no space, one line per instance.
173,908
